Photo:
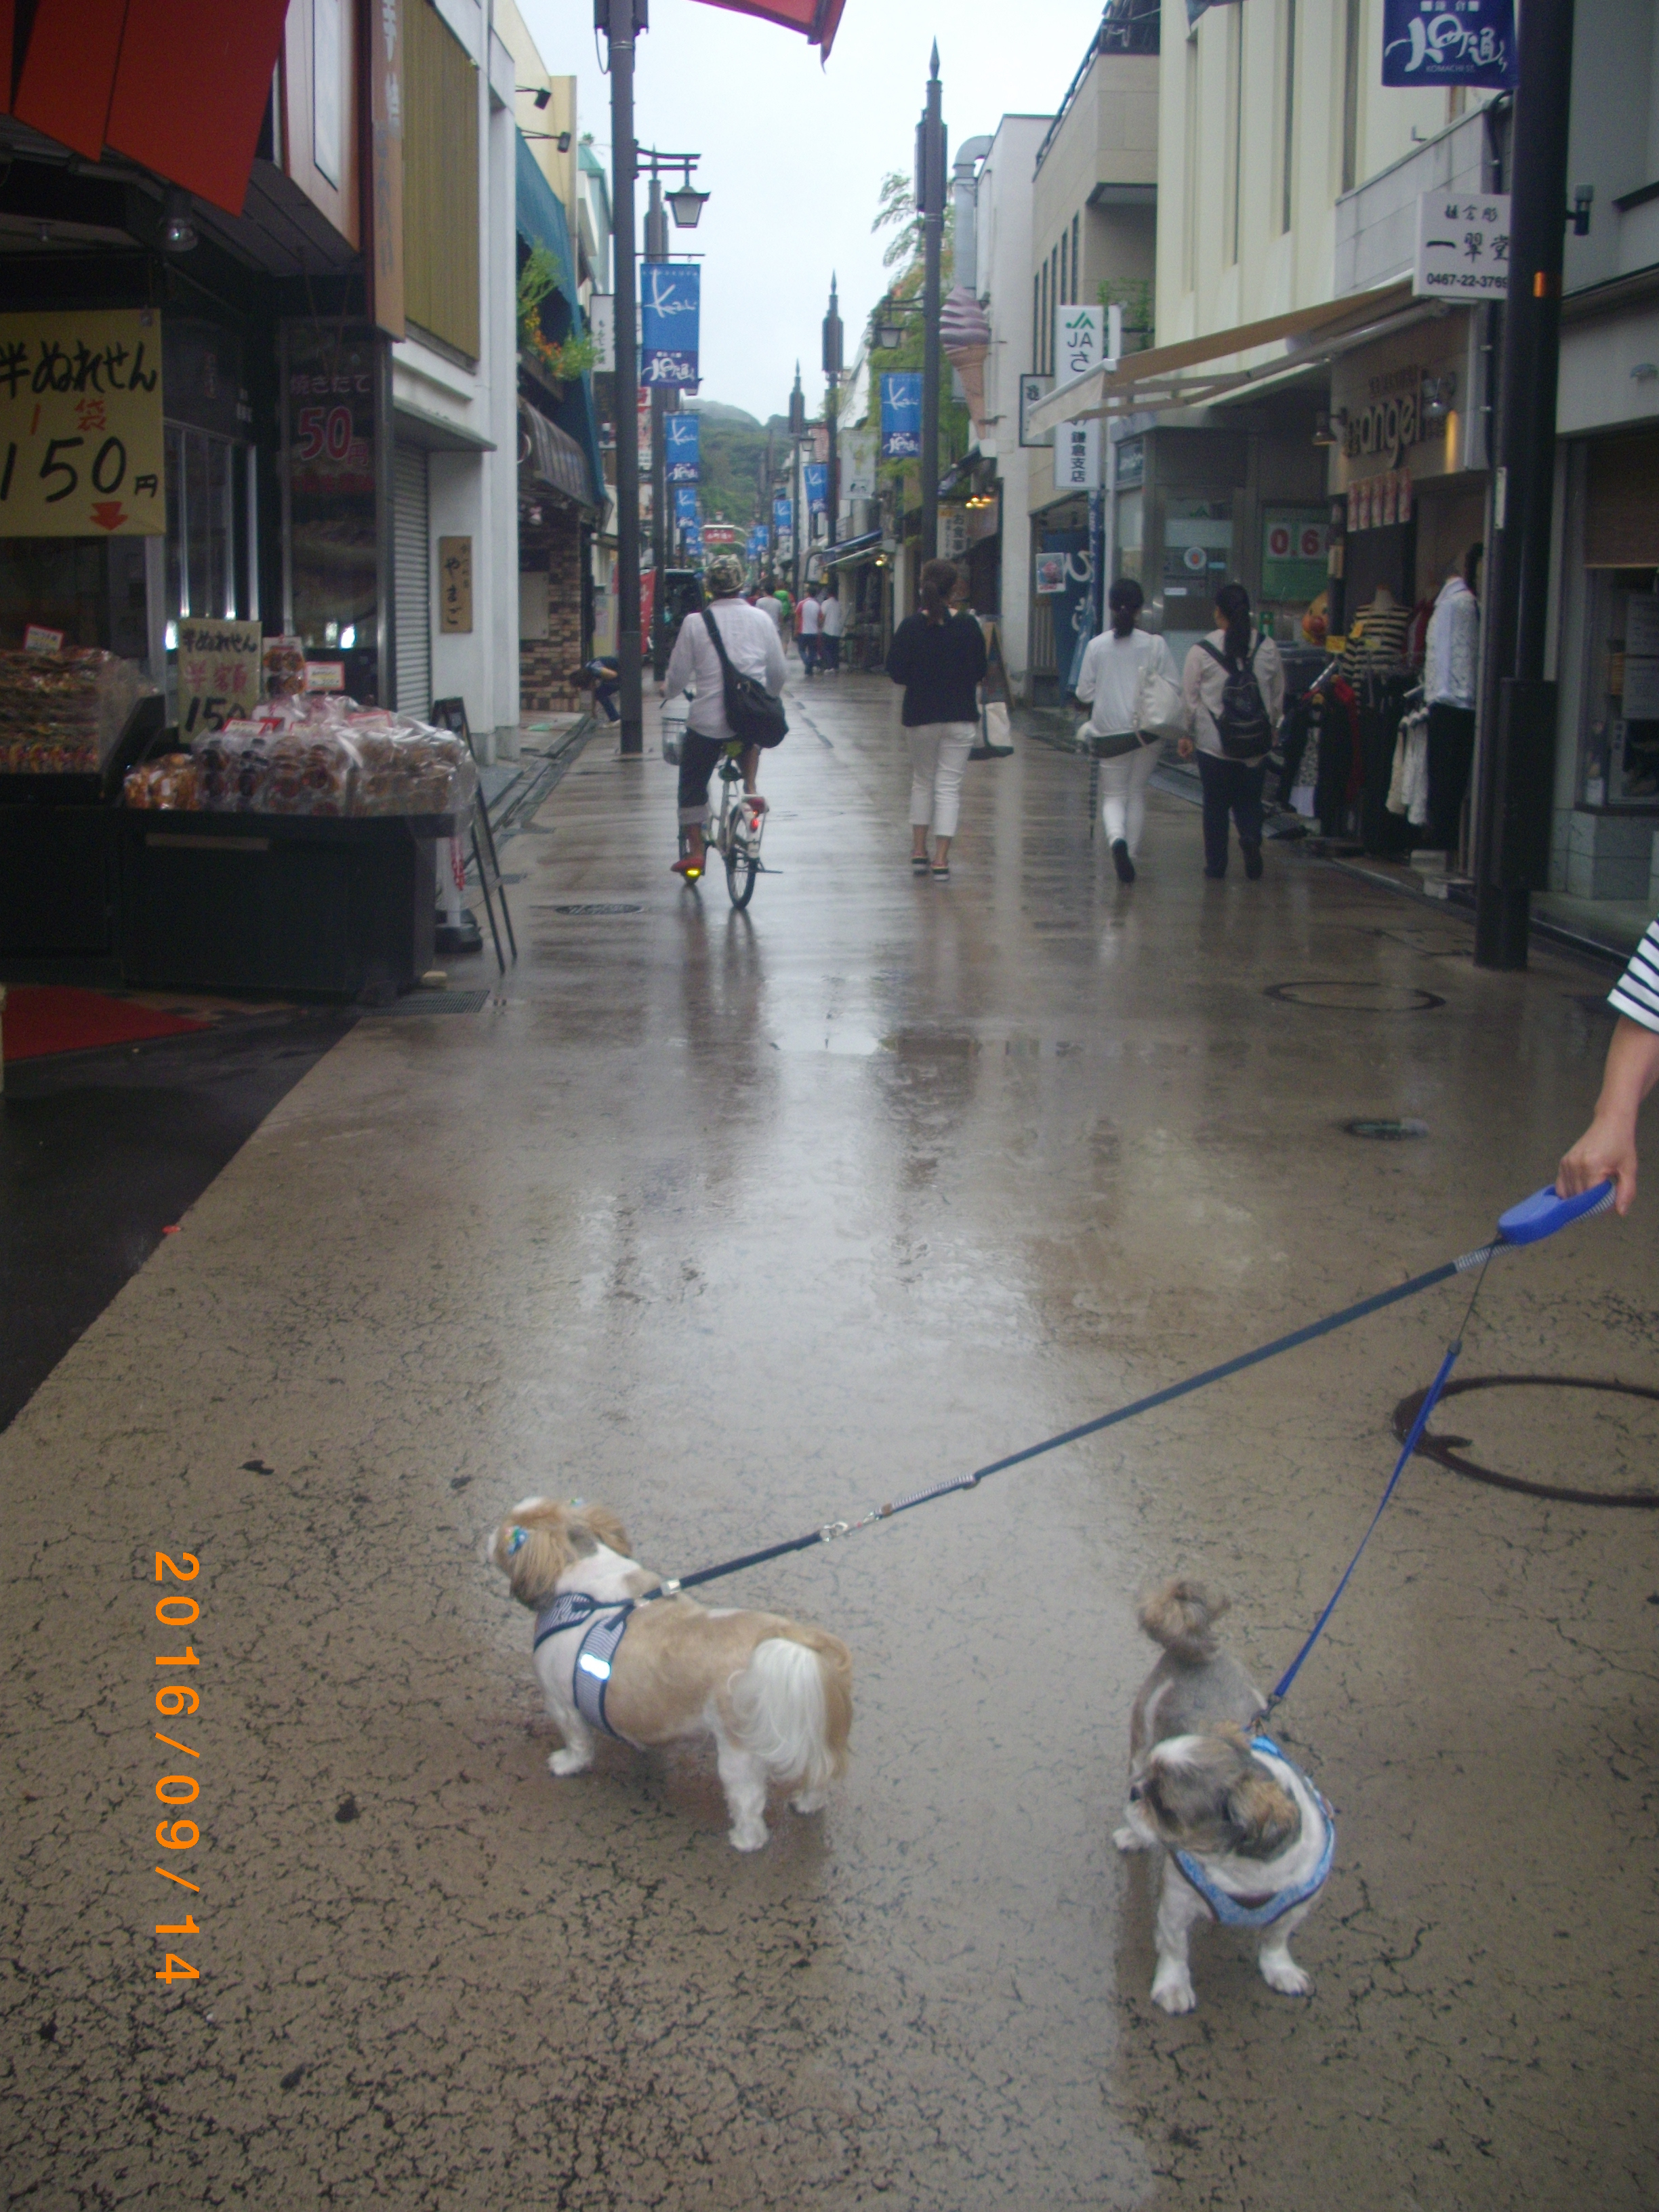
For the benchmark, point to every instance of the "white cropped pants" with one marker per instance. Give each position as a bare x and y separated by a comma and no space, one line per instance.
939,754
1123,795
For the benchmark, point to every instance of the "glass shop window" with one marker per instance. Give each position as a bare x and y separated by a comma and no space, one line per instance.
1130,524
1620,756
207,533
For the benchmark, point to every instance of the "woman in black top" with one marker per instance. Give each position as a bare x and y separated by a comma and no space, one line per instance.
939,658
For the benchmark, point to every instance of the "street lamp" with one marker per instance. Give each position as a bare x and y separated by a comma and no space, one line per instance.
885,328
687,204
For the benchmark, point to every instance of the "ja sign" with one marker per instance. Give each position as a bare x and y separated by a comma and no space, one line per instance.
1450,42
670,297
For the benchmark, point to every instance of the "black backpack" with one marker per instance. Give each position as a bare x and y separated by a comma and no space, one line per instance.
753,715
1243,725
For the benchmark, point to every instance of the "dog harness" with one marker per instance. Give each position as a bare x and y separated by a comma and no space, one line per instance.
589,1676
1262,1912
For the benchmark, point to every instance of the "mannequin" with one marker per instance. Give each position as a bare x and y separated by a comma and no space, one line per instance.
1377,637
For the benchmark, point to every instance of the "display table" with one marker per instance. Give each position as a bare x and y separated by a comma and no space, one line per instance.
340,907
56,865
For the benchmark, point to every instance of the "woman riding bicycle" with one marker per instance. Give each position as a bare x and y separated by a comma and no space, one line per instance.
751,645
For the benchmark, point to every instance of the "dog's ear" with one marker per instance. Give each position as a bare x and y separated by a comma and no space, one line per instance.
533,1549
1265,1815
604,1526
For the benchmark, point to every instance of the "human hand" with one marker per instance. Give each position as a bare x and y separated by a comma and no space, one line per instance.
1605,1152
1184,747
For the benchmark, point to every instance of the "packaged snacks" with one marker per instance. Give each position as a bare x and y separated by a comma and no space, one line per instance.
169,782
284,662
320,754
61,713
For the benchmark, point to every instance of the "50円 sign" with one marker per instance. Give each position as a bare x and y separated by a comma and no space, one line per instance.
80,449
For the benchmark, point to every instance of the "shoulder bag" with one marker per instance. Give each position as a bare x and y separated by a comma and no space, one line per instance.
754,714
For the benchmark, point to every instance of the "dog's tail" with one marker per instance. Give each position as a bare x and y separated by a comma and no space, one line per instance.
793,1706
1181,1616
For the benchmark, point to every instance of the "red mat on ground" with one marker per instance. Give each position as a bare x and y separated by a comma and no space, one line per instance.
46,1018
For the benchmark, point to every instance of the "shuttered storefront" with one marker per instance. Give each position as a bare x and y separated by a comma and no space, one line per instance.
412,591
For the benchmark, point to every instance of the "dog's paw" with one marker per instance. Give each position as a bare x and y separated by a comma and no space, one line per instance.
1280,1971
1128,1837
568,1762
809,1801
1173,1992
749,1836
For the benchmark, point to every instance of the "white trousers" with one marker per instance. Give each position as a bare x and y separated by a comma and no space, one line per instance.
939,754
1123,795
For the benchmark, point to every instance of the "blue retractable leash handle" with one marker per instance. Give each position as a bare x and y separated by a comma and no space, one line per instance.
1535,1218
1528,1223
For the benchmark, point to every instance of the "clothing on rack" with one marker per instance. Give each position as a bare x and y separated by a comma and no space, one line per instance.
1377,640
1408,787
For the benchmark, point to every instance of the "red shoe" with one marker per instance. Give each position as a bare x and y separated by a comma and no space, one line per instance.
689,869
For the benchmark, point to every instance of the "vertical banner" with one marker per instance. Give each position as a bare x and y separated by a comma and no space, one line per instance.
1462,42
670,303
1078,448
900,413
81,425
682,450
383,195
330,392
685,505
1081,338
858,464
816,476
783,515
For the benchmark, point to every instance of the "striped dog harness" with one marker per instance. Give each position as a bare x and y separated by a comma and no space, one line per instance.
590,1677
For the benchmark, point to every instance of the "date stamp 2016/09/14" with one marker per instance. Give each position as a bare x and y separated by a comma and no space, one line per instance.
173,1699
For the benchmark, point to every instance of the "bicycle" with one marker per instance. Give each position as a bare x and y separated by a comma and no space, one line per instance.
734,832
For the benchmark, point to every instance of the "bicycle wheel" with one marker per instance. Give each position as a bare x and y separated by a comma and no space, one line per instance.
741,869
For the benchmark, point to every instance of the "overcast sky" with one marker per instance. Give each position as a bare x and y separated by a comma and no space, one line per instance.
794,150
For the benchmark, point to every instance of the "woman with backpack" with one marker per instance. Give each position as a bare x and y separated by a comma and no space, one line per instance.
1234,687
939,656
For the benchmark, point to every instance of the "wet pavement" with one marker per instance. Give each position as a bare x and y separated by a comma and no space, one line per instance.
737,1224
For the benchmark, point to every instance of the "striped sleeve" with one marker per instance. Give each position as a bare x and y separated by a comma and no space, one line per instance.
1637,990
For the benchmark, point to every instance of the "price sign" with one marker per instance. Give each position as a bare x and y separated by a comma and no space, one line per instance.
81,425
220,664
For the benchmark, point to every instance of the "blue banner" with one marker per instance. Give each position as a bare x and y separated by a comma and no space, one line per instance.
783,512
670,300
691,541
817,475
900,413
1450,42
758,541
685,503
681,452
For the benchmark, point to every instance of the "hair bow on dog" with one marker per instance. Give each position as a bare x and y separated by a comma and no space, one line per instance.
517,1542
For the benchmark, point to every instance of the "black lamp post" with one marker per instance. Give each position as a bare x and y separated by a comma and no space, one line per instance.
930,206
832,368
797,435
620,21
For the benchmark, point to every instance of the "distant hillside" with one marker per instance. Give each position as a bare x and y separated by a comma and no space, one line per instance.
733,446
715,410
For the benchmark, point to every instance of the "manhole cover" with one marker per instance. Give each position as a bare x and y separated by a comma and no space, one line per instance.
1448,1449
1343,995
430,1002
594,906
1386,1129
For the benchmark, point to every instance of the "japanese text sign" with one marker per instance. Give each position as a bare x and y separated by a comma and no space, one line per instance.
682,447
455,587
1450,42
81,452
1463,246
221,671
1077,457
900,413
670,309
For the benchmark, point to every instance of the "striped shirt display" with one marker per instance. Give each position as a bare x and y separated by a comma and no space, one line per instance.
1637,990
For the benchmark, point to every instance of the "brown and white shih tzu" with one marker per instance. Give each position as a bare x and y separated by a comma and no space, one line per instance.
775,1696
1247,1838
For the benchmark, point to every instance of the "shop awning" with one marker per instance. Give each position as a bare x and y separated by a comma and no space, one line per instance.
853,548
539,218
817,20
553,457
178,85
1198,370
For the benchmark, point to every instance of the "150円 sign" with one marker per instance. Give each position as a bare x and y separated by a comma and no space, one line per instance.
81,425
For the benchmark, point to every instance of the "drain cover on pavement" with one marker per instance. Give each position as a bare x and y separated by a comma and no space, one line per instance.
430,1002
593,906
1345,995
1364,1128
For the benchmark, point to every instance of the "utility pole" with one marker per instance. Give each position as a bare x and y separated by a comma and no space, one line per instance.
656,249
797,433
619,20
832,368
930,206
1517,708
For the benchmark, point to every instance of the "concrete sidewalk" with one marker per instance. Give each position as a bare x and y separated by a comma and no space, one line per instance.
740,1223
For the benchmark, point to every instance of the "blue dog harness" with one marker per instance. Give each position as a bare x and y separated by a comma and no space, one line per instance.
1262,1912
591,1676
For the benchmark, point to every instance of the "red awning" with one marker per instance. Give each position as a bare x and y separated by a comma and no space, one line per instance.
817,20
179,85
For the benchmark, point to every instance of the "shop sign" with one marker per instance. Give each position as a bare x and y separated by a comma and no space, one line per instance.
81,425
1379,502
858,464
900,413
1031,389
670,300
682,448
1462,246
455,587
1077,456
1295,542
952,532
1387,421
221,673
783,515
1131,463
1086,338
1450,42
815,476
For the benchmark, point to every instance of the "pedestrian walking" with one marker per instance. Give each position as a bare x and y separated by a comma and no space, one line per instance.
939,656
1113,663
753,647
809,617
1451,663
1233,686
772,607
830,631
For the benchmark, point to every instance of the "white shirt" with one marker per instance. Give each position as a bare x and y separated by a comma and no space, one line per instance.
1637,990
812,615
766,604
1110,676
831,612
753,646
1204,682
1451,650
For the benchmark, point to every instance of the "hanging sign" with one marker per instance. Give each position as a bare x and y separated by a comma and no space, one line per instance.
1295,543
221,671
81,425
1463,246
670,303
455,587
816,475
1450,42
858,464
783,514
1077,457
900,413
1086,338
686,504
1031,389
682,450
